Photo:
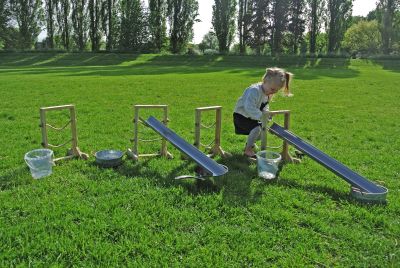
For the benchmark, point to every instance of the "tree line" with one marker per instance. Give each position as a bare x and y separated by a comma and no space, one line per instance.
260,26
125,25
303,26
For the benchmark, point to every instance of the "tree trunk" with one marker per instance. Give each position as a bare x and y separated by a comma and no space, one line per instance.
110,26
50,26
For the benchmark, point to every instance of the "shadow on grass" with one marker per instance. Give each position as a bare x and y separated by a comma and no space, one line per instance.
64,59
240,186
235,185
14,178
389,64
92,64
335,195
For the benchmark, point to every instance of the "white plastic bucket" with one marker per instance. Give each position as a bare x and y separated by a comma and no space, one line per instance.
267,164
40,162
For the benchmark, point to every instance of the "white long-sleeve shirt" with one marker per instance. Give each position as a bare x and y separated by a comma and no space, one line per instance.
250,102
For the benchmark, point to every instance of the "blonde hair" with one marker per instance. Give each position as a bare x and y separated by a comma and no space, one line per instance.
280,78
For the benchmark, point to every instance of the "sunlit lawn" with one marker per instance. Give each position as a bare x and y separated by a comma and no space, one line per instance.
138,215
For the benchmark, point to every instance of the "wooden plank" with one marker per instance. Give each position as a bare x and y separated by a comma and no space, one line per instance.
208,108
272,113
61,107
147,155
150,106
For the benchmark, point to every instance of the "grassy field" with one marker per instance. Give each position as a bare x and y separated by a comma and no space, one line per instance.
138,215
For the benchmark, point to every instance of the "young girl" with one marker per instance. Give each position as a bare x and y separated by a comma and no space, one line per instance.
254,101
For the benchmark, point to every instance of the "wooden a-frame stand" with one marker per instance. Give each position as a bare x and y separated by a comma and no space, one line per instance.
216,148
74,151
286,157
134,152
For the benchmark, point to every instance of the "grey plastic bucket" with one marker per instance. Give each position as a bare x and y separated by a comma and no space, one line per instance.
40,162
267,164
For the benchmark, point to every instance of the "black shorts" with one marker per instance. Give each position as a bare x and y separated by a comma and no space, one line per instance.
243,125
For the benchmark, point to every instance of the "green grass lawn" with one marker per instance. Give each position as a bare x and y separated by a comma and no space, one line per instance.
138,215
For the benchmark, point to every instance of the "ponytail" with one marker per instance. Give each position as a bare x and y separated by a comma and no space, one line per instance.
288,77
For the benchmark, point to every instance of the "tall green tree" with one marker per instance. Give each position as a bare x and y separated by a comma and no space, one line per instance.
317,9
363,37
297,23
94,23
109,22
158,23
244,23
29,17
133,33
63,11
50,12
280,12
79,23
260,27
387,9
4,20
209,41
223,21
182,14
339,15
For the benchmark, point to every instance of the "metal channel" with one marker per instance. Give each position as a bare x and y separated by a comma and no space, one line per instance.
330,163
200,158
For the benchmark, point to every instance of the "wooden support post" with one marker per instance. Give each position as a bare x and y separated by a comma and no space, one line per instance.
43,126
73,129
164,152
285,150
134,152
216,148
197,127
74,150
264,125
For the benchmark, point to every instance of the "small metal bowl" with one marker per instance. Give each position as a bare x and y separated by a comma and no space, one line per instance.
109,158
